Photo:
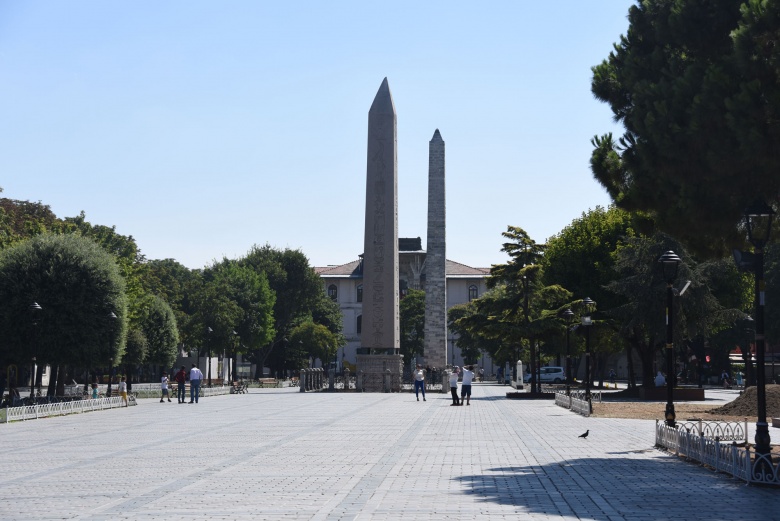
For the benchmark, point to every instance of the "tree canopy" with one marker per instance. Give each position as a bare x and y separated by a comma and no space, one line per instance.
695,84
82,295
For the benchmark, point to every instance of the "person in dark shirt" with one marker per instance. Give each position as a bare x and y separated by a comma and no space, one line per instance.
181,379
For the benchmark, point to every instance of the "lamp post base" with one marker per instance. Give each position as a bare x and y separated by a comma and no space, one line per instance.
670,415
762,438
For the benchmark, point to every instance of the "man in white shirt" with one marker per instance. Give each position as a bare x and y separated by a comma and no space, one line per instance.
465,387
196,377
454,386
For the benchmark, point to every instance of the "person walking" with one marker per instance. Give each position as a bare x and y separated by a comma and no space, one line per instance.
181,381
481,374
419,382
94,391
164,388
123,390
196,377
465,386
454,386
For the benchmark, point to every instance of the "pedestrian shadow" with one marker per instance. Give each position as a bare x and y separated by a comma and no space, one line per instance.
592,488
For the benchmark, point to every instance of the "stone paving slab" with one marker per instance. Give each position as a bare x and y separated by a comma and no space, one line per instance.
282,454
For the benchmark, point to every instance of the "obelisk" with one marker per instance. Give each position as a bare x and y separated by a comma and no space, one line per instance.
436,259
381,331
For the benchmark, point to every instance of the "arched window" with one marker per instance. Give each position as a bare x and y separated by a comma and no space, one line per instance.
359,324
473,293
333,292
360,293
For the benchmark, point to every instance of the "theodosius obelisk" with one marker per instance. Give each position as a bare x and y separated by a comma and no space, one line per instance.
380,335
436,259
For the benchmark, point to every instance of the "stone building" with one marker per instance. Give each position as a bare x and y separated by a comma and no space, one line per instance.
344,284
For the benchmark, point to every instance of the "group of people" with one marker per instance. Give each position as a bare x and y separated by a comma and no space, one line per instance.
466,374
195,377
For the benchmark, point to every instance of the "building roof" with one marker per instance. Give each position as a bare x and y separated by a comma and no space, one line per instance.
352,269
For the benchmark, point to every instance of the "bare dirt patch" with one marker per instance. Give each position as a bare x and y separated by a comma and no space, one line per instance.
744,406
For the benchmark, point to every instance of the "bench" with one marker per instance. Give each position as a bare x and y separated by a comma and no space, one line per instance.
268,382
238,388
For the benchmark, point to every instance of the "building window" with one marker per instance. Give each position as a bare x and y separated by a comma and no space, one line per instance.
360,293
473,292
359,324
333,292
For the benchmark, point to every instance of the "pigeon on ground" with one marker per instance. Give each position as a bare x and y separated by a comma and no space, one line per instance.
584,434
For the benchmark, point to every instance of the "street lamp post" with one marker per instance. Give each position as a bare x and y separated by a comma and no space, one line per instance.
531,355
670,261
568,315
590,306
208,345
758,218
34,308
112,317
749,327
232,368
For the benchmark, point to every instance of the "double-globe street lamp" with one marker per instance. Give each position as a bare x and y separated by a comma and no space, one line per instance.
590,307
670,262
568,315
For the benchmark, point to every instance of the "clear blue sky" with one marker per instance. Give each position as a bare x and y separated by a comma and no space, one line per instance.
202,128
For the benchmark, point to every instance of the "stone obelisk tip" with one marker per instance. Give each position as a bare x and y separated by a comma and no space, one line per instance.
436,136
383,101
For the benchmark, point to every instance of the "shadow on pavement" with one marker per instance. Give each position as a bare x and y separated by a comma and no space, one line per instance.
623,487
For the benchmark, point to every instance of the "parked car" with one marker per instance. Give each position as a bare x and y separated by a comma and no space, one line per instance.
549,374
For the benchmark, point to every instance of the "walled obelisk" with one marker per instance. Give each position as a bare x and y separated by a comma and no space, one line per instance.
381,332
436,259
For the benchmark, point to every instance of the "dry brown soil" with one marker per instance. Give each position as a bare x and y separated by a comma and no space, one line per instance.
744,406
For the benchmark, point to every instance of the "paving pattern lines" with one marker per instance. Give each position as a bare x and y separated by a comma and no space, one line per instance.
95,470
280,454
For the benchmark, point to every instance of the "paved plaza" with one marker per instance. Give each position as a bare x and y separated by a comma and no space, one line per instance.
282,454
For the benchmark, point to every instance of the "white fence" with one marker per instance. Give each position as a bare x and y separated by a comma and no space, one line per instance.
691,440
576,401
148,390
32,412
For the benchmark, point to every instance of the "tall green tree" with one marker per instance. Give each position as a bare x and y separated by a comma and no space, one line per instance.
20,220
298,290
412,323
641,318
78,286
521,308
158,325
311,340
235,301
694,84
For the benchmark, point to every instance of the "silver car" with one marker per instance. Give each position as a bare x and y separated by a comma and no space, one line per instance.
551,374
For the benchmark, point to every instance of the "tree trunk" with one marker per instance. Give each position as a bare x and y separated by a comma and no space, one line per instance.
38,376
52,389
630,362
647,354
63,377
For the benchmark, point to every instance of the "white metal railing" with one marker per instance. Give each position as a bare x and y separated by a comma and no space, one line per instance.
154,391
32,412
576,401
695,444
